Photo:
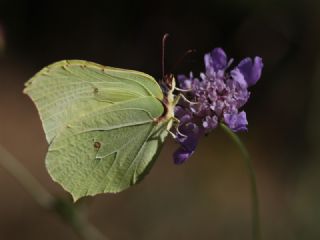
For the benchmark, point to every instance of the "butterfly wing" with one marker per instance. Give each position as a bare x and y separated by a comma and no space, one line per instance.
100,123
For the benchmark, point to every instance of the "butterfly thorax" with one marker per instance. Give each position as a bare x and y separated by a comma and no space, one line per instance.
168,85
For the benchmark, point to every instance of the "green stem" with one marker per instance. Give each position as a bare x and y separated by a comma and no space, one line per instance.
256,232
64,209
23,176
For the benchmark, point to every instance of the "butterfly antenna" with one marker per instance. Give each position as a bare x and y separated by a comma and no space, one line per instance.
164,39
182,58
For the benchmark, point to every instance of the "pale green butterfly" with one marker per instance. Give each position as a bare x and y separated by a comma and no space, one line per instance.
105,126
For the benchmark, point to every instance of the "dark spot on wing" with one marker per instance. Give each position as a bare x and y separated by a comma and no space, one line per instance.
95,90
97,145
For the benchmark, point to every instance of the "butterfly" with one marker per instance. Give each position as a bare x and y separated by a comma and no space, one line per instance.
105,126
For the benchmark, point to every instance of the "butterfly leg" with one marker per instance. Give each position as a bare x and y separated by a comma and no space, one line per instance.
181,96
175,125
182,90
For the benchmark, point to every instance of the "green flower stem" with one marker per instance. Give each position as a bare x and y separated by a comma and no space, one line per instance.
256,232
23,176
64,209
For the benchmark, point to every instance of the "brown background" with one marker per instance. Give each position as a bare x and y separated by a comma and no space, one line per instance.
208,197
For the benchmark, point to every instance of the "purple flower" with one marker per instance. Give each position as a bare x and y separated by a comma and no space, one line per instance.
216,96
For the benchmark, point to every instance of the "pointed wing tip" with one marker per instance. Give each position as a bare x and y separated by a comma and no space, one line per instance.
76,197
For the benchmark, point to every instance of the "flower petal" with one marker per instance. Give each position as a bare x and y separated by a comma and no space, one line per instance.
239,78
251,71
188,138
191,135
209,123
182,114
215,60
236,122
181,155
184,81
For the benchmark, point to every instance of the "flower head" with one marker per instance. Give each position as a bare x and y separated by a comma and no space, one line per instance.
216,96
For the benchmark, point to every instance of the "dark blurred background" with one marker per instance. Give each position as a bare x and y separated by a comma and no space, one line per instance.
208,197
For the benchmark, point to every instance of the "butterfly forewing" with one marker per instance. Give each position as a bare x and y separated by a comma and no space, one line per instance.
65,90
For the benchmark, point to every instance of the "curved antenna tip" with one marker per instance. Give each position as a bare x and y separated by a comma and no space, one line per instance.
164,39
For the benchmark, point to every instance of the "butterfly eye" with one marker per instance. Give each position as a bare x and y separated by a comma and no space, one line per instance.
168,80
